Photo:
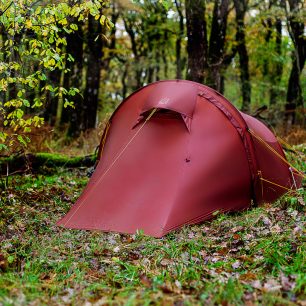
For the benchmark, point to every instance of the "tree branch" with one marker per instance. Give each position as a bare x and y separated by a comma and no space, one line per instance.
2,12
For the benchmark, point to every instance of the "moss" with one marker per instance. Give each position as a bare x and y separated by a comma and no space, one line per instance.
38,162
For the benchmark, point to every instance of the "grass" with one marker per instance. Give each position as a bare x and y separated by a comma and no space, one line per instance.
256,257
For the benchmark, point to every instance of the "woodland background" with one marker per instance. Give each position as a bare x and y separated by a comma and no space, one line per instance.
64,67
67,64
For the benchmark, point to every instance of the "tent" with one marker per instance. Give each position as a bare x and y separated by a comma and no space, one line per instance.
177,152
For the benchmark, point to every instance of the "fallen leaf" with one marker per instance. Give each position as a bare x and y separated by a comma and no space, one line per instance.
301,200
247,276
276,229
236,264
165,289
297,229
3,262
256,284
191,235
133,256
116,249
237,229
145,280
223,251
287,285
271,285
203,253
178,284
266,221
165,262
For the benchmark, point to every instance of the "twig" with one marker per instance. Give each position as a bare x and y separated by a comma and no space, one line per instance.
13,173
2,12
7,175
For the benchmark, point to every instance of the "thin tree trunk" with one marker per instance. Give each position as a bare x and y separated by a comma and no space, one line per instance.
60,102
241,8
74,79
197,40
51,101
123,81
294,92
3,38
178,43
12,88
129,29
91,94
268,25
216,44
157,66
277,71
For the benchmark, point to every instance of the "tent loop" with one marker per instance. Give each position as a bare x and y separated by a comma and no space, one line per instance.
297,172
261,184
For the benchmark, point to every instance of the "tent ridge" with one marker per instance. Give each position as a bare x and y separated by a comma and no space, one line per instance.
241,131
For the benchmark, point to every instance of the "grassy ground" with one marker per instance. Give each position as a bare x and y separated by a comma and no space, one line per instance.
249,258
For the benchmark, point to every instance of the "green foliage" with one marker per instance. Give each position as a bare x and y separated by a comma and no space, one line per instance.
256,256
33,45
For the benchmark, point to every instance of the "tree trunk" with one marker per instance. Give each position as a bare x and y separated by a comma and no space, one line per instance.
3,58
129,29
178,43
197,40
42,163
241,8
12,87
216,44
73,78
268,25
277,71
294,92
123,81
91,94
51,101
60,102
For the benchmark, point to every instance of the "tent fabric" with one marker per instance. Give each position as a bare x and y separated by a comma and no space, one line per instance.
175,153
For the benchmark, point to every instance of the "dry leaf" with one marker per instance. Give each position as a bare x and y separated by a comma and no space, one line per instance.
236,264
256,284
271,285
145,280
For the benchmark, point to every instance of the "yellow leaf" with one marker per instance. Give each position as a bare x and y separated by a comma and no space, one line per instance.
28,24
102,19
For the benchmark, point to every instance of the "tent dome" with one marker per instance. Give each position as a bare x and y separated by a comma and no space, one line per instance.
174,153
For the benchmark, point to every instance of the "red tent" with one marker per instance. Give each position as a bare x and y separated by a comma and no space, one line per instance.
174,153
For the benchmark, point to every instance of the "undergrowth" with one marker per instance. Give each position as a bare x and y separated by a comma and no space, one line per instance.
255,257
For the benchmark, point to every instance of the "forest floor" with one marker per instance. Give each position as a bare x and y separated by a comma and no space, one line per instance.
253,257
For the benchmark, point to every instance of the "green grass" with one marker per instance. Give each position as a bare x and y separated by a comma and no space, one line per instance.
256,257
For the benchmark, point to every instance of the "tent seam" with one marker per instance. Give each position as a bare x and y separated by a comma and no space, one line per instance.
241,131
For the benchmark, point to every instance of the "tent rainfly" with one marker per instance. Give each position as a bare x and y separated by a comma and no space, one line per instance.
174,153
